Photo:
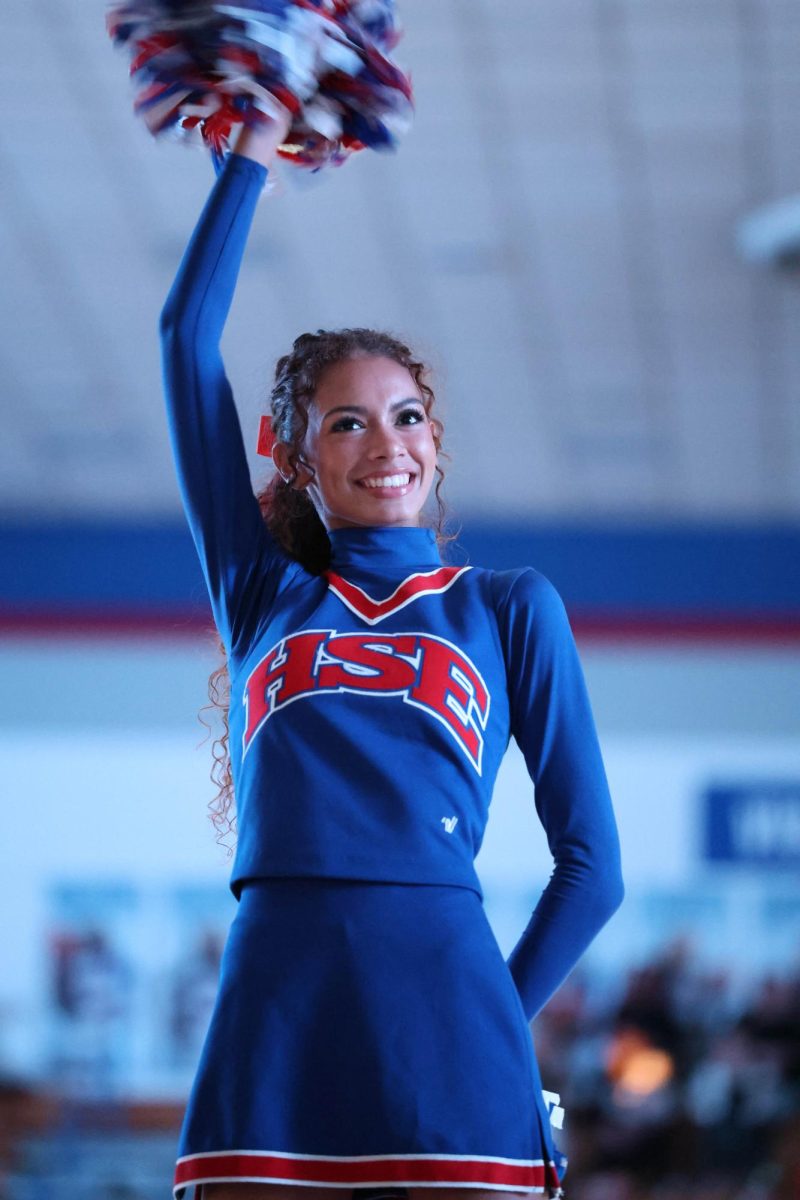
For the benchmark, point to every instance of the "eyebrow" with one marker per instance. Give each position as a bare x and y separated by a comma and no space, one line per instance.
359,408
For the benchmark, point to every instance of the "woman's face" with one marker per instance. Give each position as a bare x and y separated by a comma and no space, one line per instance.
370,443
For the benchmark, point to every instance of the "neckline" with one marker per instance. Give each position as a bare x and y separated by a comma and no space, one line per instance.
378,547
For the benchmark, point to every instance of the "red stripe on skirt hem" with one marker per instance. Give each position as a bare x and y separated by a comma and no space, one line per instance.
366,1172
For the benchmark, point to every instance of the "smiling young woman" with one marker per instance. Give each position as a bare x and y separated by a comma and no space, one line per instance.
368,1037
370,447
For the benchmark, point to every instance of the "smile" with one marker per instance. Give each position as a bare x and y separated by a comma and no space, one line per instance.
388,484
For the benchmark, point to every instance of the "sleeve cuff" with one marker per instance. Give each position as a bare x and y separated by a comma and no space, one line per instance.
240,164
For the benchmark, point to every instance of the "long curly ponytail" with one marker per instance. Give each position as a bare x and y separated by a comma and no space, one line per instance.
290,515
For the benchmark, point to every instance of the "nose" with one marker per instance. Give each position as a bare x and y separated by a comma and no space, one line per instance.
386,442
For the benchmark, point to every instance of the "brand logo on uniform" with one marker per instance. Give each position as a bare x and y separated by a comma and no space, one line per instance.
449,823
425,671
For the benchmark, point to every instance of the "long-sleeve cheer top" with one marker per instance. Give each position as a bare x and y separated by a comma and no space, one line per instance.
371,706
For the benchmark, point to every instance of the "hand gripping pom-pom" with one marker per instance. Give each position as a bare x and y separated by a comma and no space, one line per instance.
201,68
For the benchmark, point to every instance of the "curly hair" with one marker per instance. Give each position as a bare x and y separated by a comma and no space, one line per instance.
290,515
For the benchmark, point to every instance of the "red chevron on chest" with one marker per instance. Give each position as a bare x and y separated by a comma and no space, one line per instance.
426,583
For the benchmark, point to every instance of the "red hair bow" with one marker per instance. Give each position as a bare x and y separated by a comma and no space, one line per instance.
266,438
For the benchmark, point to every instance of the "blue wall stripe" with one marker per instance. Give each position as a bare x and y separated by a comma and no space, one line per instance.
715,570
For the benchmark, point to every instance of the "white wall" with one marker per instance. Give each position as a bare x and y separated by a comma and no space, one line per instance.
104,781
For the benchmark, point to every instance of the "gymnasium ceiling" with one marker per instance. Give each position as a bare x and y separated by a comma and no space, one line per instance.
556,234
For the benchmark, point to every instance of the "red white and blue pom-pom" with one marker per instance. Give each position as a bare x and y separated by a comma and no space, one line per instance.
200,68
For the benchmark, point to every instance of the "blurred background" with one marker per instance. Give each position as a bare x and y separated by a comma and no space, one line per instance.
593,234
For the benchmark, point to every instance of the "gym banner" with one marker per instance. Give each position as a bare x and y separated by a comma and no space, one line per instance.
753,822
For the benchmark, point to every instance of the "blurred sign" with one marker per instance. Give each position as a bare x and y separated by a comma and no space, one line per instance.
92,984
753,823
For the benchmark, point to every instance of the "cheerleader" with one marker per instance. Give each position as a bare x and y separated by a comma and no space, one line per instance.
368,1037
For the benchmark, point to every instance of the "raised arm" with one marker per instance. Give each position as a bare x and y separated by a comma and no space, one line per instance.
552,722
241,562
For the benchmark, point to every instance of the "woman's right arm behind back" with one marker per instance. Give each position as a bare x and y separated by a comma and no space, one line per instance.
236,551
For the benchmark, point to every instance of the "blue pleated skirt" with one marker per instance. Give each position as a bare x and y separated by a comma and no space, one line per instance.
366,1034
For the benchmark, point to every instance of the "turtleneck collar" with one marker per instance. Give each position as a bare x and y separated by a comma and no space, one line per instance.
381,547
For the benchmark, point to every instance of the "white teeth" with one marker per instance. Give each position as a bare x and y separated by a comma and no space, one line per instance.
388,481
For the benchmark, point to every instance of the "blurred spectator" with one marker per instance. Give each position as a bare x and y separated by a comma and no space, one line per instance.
681,1088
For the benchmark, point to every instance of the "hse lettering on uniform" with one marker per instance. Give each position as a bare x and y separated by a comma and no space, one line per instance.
423,670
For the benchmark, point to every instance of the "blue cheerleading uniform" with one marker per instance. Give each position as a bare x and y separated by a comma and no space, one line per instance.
370,709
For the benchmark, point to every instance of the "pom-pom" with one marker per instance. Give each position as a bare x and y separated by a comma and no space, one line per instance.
200,68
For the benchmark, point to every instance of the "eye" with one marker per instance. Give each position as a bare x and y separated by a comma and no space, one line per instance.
344,423
416,413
